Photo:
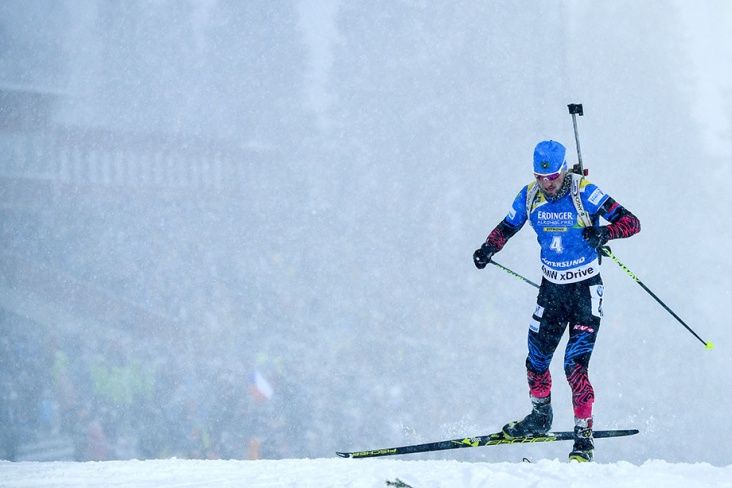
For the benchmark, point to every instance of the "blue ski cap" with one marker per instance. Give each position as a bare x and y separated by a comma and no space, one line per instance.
549,158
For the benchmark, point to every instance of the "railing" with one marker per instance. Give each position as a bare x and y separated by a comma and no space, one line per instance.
73,155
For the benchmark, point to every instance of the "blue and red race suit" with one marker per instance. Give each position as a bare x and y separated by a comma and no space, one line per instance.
571,290
565,256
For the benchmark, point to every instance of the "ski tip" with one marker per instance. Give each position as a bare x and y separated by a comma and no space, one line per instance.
709,345
599,434
344,454
611,433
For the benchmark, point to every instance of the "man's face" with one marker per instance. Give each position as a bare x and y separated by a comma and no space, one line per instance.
550,184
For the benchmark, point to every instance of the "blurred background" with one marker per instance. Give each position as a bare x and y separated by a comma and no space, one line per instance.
244,229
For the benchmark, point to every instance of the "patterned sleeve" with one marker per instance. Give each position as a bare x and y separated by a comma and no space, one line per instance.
622,222
510,225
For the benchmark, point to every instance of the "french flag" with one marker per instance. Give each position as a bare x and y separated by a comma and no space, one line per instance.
259,387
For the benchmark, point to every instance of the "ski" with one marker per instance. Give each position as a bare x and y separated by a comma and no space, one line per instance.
484,440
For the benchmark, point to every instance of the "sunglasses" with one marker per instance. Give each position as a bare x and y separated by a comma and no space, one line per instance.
550,177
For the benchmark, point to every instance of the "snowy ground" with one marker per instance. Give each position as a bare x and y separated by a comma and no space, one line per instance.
358,473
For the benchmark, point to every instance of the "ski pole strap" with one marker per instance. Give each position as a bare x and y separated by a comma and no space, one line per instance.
606,251
515,275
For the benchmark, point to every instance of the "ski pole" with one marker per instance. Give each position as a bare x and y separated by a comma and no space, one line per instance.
608,253
514,274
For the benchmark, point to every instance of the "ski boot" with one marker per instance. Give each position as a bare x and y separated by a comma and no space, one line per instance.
583,441
538,422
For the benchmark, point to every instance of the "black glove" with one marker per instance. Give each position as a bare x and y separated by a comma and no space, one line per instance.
483,256
596,236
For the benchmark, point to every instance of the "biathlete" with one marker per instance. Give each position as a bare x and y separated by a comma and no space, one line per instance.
564,209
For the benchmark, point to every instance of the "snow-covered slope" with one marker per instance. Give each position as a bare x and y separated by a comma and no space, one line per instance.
358,473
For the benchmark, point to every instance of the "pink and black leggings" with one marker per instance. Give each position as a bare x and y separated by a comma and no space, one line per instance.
577,306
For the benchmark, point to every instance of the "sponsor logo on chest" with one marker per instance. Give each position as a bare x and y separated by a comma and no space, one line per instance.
555,218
